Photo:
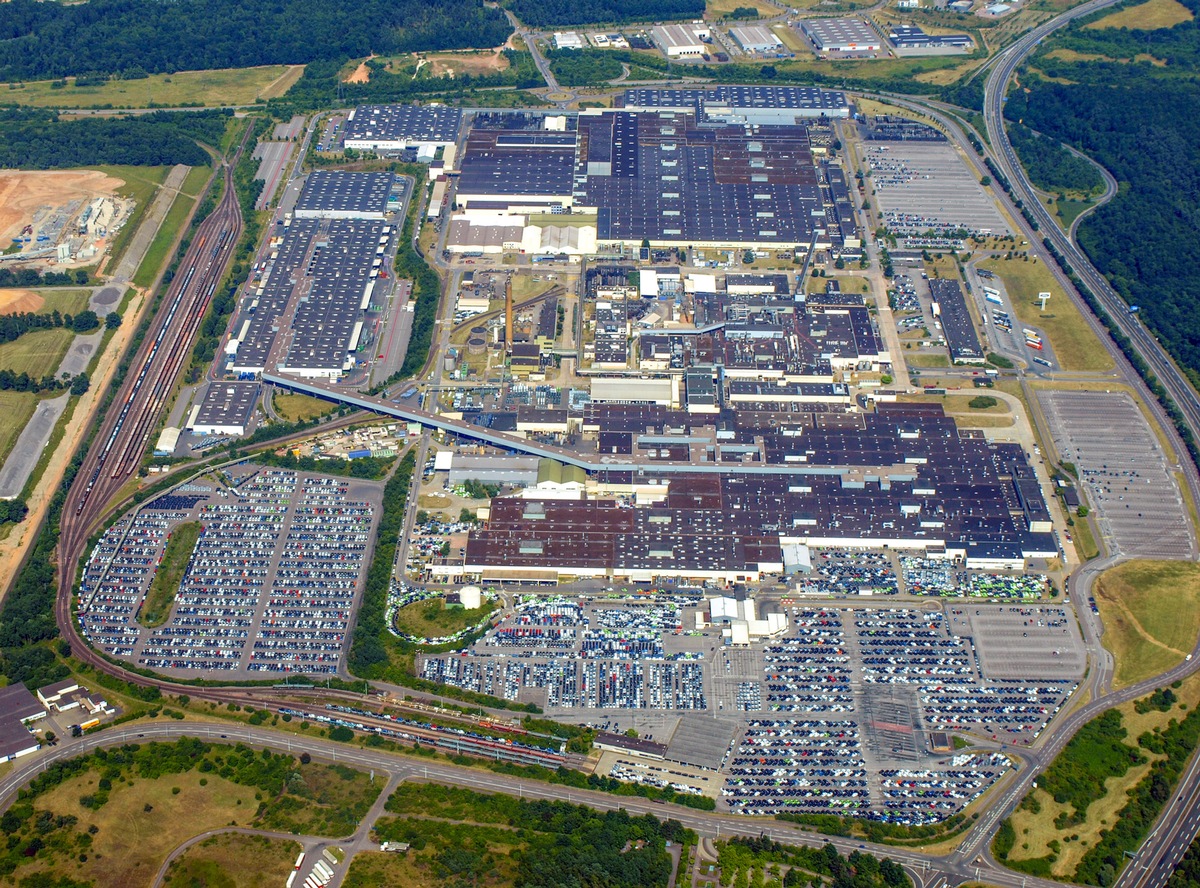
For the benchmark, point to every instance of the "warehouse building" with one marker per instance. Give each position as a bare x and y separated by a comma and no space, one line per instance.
842,35
19,708
225,410
756,39
333,194
567,40
909,40
661,177
331,269
682,41
393,128
754,105
514,169
508,471
950,305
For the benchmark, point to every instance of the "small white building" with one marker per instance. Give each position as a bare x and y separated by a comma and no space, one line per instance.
567,40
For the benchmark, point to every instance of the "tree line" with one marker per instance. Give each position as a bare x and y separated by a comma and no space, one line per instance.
14,326
1141,122
48,40
39,138
567,12
28,278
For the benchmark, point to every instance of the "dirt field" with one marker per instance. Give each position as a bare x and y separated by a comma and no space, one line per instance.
17,301
362,73
22,192
455,63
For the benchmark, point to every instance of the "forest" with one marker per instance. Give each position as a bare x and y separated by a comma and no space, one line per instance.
39,41
40,139
567,12
1052,167
1141,122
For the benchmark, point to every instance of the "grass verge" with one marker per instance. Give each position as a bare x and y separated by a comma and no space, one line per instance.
159,250
233,860
1074,343
161,595
1151,613
16,408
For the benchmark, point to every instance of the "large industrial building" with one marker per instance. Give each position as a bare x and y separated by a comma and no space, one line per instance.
516,168
842,35
333,194
226,409
903,477
314,293
754,105
393,128
661,177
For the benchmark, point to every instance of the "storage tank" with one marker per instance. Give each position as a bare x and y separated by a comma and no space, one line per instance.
470,597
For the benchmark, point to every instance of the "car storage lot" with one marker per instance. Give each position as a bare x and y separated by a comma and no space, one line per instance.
832,716
269,588
1124,470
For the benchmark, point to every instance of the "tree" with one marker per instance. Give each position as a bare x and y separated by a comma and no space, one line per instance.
1082,511
985,181
112,320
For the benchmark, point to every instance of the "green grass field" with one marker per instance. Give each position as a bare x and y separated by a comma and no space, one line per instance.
1074,343
432,619
161,595
233,861
228,86
299,408
1151,613
63,301
197,178
38,353
1148,16
16,408
159,252
140,183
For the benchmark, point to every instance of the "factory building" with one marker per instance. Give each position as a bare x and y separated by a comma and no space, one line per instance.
909,40
682,41
842,35
753,105
756,39
226,409
333,194
389,129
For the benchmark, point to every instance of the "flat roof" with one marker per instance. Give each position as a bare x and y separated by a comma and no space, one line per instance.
755,36
660,177
336,191
961,338
227,404
407,123
505,163
841,33
788,97
17,701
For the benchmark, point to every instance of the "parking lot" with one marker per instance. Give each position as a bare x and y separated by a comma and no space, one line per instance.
926,186
270,586
1124,470
831,716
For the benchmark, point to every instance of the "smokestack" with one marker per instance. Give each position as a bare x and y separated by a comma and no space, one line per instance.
508,315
